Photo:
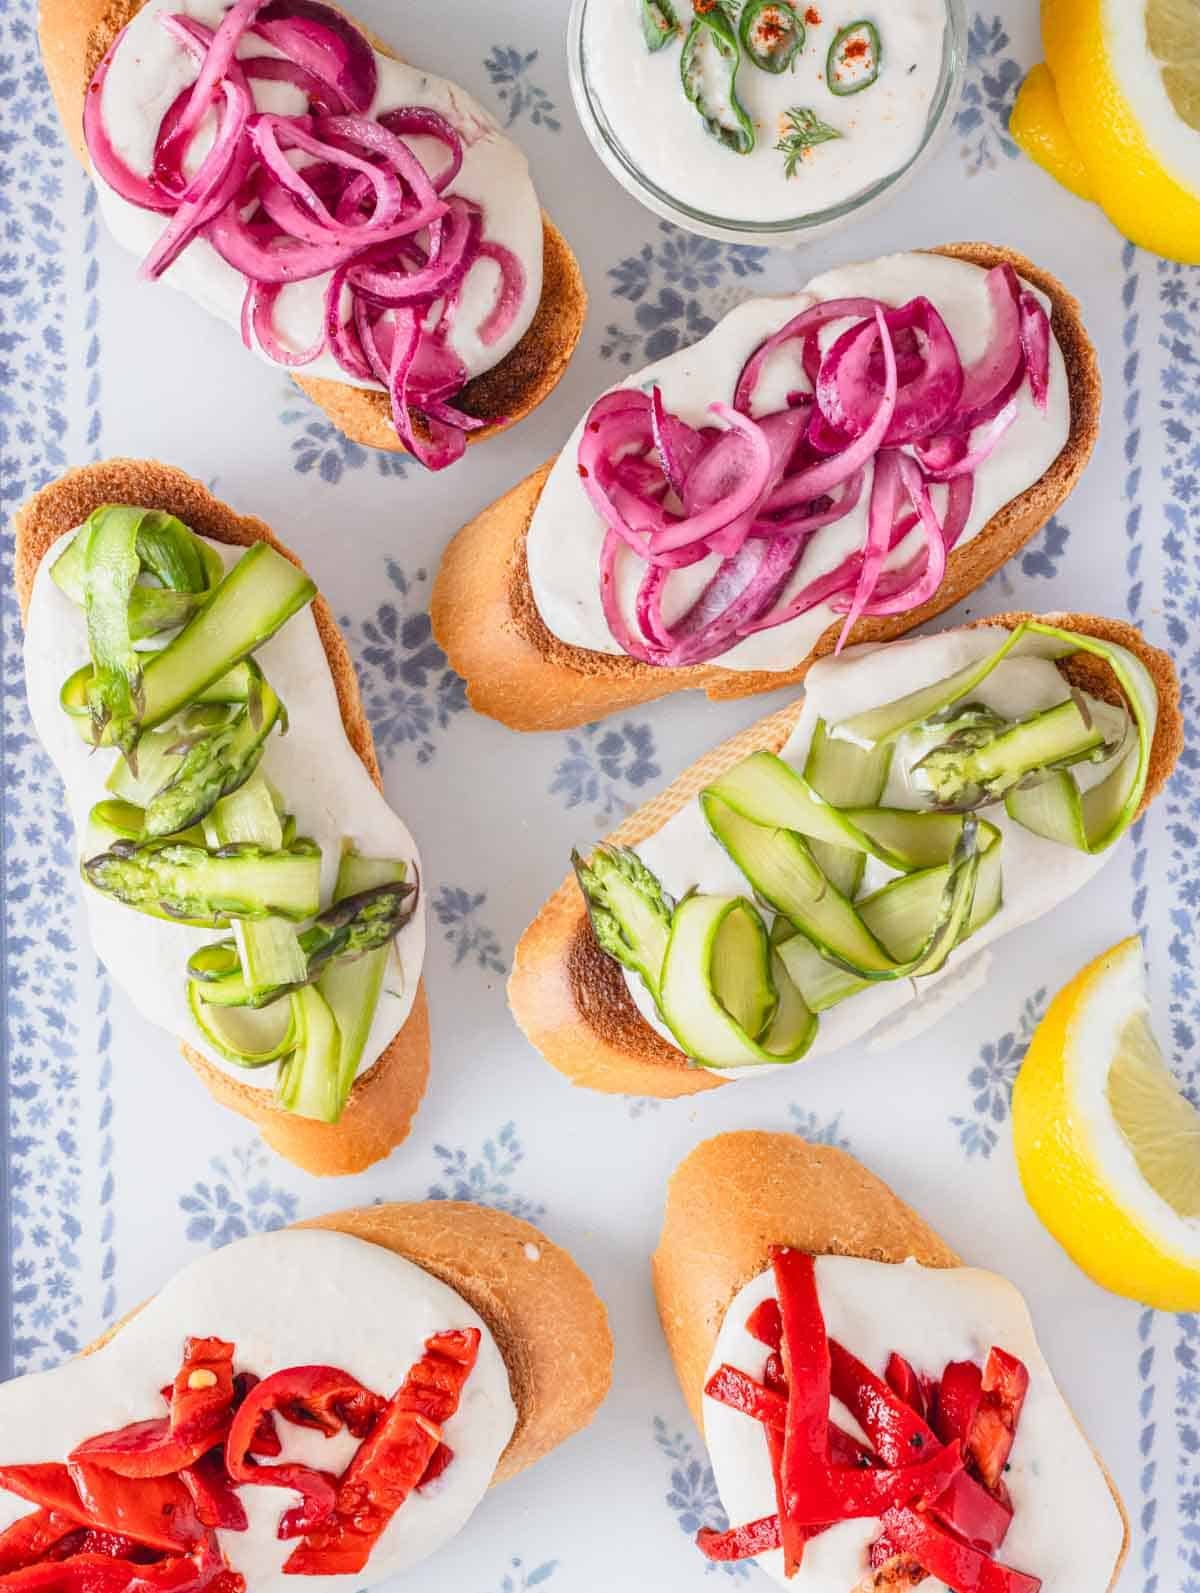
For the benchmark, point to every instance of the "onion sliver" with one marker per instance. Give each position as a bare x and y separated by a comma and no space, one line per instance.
1001,359
743,495
1035,345
325,43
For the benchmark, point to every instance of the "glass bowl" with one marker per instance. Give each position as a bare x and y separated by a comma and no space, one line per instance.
792,231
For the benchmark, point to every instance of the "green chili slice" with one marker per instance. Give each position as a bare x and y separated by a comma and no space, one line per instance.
772,34
708,67
854,58
659,23
805,130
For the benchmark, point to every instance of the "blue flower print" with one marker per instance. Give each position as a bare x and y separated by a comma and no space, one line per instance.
602,763
508,69
992,1078
409,690
239,1199
992,80
457,911
692,1496
484,1178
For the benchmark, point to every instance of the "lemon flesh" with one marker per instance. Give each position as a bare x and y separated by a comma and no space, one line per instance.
1107,1148
1161,1127
1173,34
1038,127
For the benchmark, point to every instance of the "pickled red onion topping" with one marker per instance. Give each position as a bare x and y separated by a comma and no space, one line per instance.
285,199
889,394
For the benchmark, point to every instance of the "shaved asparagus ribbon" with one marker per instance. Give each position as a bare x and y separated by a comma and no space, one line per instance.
360,209
889,394
735,995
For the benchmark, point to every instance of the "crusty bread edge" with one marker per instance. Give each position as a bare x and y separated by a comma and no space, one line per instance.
539,1305
385,1098
571,1000
516,671
74,36
746,1191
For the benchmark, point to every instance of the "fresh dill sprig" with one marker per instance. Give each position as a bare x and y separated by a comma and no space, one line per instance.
806,130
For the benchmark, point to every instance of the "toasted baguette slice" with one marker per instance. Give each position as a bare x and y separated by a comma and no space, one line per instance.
548,1322
75,36
385,1098
485,618
571,999
747,1191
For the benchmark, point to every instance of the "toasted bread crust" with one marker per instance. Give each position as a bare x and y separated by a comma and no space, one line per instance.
549,1323
385,1098
74,37
487,622
571,999
747,1191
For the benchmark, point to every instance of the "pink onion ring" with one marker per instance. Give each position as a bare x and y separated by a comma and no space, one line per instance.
995,367
509,294
1035,345
325,43
742,496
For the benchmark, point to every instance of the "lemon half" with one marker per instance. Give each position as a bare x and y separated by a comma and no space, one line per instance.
1107,1147
1115,114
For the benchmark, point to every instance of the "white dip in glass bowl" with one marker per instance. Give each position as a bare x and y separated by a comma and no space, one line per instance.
863,92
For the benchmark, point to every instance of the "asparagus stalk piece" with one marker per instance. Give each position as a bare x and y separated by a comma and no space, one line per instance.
629,910
116,698
352,928
258,595
166,549
188,882
216,764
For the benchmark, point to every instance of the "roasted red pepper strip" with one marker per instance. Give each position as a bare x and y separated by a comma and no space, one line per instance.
805,1352
440,1459
210,1485
958,1565
959,1394
200,1406
32,1537
157,1511
989,1442
737,1389
312,1396
390,1463
201,1400
906,1384
91,1540
99,1573
740,1543
897,1432
266,1440
765,1324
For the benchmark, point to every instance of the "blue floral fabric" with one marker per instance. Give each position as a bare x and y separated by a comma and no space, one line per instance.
116,1167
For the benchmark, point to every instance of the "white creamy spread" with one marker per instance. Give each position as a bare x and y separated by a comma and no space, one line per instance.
1066,1526
313,766
640,96
150,69
293,1298
1037,874
566,533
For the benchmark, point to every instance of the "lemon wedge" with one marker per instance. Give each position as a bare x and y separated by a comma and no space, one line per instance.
1037,124
1114,114
1107,1147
